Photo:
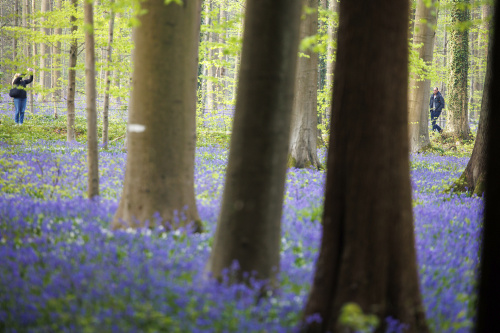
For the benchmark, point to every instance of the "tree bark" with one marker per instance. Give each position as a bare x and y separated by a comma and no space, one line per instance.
333,6
304,129
489,274
107,80
418,99
161,139
43,49
457,120
73,56
33,53
248,230
473,178
56,63
90,97
367,254
16,24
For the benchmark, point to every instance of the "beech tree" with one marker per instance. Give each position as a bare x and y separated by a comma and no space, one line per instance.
473,177
367,253
304,129
90,99
107,78
73,56
457,120
159,175
489,272
418,99
248,230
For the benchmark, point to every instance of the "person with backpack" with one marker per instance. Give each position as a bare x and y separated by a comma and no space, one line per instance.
20,96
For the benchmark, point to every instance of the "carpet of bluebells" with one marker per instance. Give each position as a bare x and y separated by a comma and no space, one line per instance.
62,269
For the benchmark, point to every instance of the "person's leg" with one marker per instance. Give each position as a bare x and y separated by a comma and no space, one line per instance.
16,105
433,120
436,126
22,108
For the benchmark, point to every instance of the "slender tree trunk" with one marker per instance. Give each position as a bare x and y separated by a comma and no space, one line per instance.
43,49
457,122
304,129
90,97
16,24
237,59
73,56
107,80
489,275
367,254
25,14
56,63
212,69
33,53
333,6
418,99
248,230
159,176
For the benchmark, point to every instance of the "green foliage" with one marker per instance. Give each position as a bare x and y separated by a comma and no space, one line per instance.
352,317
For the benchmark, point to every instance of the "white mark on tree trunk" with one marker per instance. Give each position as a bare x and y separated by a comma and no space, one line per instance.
136,128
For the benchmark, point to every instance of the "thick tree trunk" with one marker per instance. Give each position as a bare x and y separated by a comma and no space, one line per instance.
489,275
159,176
418,99
367,254
304,129
473,178
73,56
107,81
90,98
457,121
249,229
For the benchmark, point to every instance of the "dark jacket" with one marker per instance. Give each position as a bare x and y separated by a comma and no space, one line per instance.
439,102
22,83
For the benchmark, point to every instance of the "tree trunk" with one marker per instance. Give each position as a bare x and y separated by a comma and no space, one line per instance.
159,176
333,6
33,84
107,80
457,121
304,129
43,49
24,19
73,56
248,230
56,63
473,178
489,274
90,98
16,24
418,99
212,69
367,254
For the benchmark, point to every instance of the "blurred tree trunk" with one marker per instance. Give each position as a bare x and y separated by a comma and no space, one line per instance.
73,56
418,99
367,256
457,103
304,129
107,79
161,139
473,178
489,272
249,226
90,98
24,20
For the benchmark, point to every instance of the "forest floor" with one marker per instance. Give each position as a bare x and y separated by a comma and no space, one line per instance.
64,270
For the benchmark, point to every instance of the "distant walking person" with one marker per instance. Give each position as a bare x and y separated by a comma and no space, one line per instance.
20,100
436,105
